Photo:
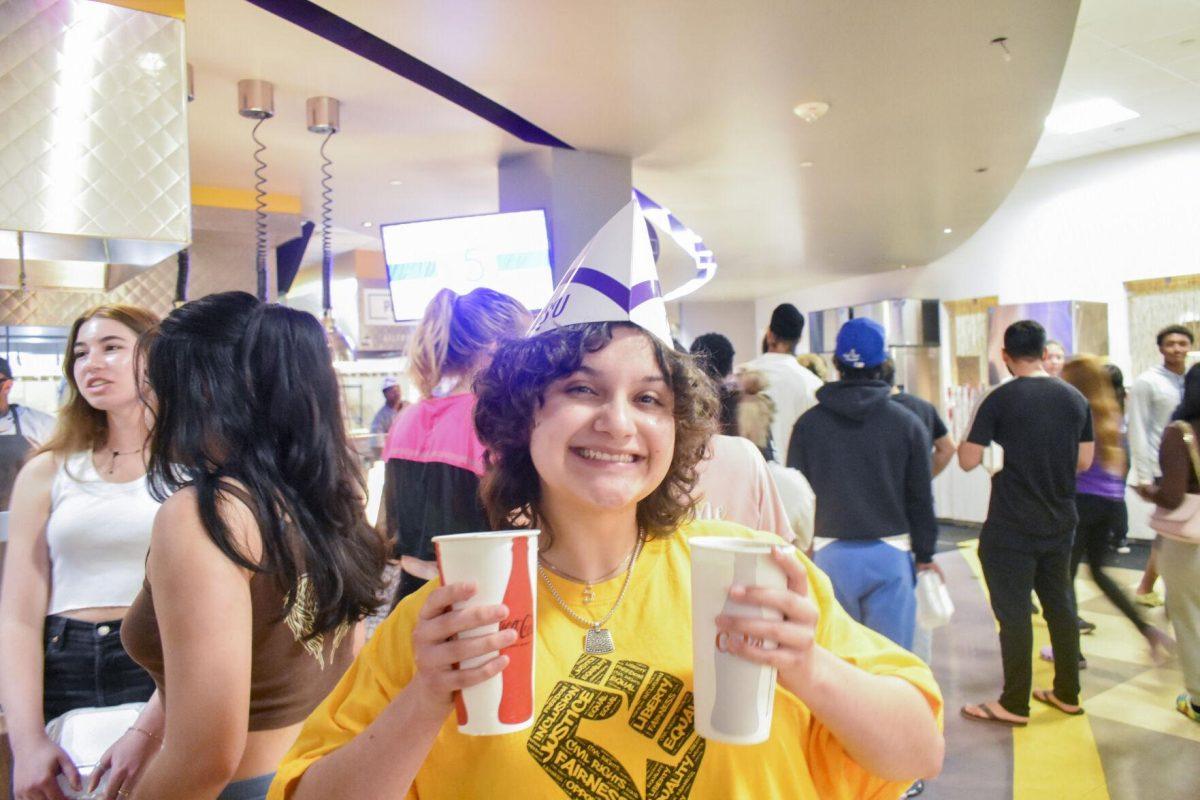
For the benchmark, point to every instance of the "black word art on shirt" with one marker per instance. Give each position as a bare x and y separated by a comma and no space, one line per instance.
654,704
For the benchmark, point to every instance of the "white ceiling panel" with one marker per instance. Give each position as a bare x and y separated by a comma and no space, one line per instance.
1145,54
699,94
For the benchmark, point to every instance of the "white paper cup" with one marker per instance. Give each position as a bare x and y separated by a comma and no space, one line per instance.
734,697
503,565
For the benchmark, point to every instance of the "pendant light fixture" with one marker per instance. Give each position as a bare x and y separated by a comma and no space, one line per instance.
323,117
256,100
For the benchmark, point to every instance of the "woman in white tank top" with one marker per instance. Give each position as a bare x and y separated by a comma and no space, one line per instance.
79,528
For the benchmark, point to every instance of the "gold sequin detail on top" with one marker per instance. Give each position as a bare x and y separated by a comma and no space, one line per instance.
300,621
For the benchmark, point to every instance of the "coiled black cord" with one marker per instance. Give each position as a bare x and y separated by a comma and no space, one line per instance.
260,212
326,226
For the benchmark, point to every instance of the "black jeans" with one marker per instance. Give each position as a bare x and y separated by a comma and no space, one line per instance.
1010,575
1098,517
86,667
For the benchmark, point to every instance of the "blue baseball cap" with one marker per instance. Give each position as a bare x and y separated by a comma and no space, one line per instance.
861,343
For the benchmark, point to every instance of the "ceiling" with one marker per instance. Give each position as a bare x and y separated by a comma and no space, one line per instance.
1145,54
929,126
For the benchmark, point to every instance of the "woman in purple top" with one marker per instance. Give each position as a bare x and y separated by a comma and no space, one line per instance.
1100,494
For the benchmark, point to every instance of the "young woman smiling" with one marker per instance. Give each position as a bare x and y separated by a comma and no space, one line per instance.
79,528
593,433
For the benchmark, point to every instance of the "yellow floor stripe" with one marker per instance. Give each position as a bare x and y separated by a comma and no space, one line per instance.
1055,755
1147,701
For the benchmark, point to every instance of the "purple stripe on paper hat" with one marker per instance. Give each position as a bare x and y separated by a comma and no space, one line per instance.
613,289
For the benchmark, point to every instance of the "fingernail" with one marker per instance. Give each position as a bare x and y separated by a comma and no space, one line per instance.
502,610
737,589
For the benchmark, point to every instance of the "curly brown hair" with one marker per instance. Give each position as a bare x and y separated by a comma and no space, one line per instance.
514,385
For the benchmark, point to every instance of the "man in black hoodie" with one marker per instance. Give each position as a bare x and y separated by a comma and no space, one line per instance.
868,460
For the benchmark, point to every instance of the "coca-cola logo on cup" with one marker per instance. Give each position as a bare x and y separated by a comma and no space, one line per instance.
522,625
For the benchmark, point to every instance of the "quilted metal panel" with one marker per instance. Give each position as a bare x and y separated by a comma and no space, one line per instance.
94,140
153,288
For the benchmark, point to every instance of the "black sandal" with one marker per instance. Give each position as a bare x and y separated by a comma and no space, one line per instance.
987,715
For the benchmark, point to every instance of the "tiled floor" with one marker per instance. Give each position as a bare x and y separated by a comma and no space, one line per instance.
1131,745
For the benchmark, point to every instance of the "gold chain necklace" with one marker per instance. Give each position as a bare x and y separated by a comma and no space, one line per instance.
598,640
589,593
112,464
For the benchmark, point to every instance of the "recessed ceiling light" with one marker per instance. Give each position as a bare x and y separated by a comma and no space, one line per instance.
806,164
395,182
1087,115
947,230
811,112
366,224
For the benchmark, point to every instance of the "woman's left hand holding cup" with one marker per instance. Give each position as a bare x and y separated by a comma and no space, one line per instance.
793,636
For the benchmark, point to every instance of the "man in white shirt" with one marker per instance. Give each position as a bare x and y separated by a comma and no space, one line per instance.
1152,400
790,386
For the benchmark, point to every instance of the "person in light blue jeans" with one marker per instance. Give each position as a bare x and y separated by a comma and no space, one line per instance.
869,462
875,582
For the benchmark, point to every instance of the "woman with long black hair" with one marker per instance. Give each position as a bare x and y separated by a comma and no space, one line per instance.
262,560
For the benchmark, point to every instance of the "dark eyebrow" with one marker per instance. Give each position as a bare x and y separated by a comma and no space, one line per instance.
592,373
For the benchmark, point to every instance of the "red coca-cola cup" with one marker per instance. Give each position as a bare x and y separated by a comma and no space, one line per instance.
503,565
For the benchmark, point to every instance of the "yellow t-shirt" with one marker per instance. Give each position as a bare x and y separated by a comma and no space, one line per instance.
618,726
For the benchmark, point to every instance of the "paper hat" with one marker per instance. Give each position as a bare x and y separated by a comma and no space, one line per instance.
612,280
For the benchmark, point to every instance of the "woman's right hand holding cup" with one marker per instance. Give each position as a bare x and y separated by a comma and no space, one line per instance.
437,649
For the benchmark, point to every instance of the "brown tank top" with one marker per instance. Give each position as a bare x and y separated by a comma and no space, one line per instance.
288,678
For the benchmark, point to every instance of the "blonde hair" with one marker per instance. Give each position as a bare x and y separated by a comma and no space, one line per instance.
80,426
754,410
457,332
814,364
1087,374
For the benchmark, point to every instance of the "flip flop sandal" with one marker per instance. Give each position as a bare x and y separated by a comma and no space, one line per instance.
987,715
1046,697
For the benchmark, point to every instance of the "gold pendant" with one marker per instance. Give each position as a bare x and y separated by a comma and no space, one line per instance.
588,594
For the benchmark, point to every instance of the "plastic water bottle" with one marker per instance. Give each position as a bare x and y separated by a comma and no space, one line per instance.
934,606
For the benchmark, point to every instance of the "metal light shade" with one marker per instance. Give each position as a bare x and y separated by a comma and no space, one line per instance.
256,99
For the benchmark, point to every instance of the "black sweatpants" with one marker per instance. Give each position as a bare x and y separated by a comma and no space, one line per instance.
1098,517
1010,575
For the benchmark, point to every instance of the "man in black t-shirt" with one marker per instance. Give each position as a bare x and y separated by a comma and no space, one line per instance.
939,434
1045,428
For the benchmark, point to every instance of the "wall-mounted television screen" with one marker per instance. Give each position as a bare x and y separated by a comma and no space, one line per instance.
508,252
